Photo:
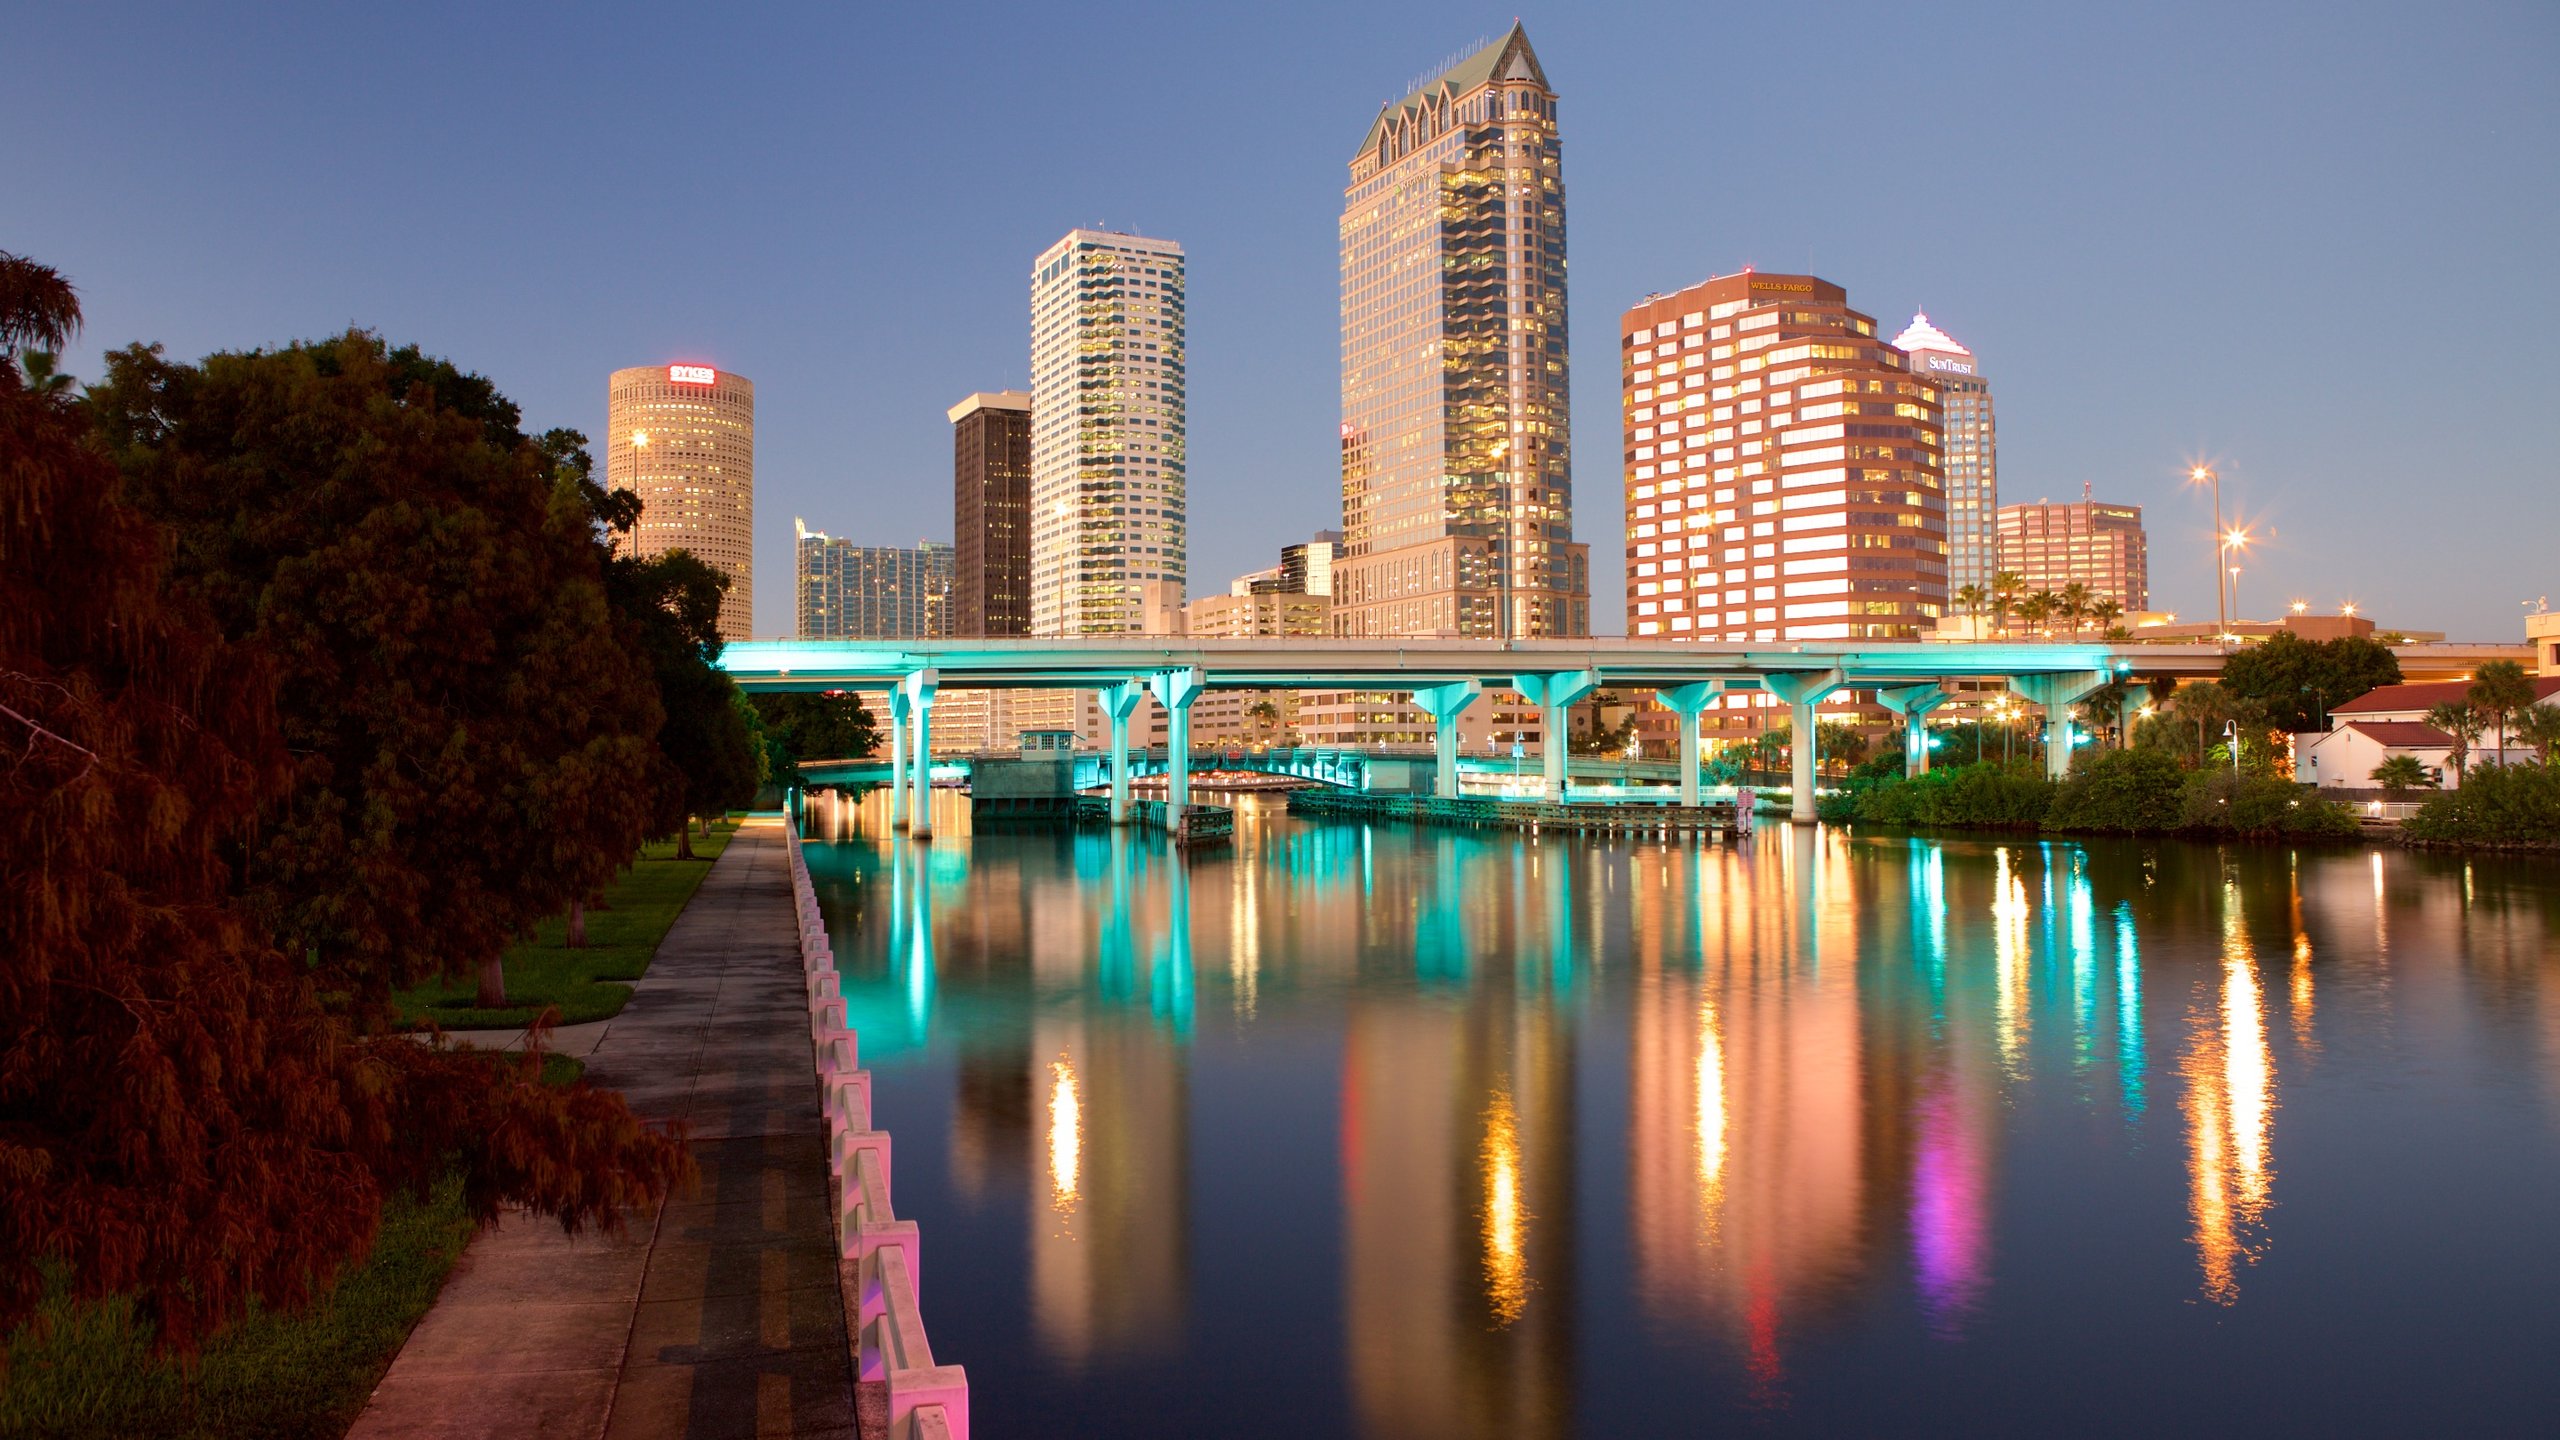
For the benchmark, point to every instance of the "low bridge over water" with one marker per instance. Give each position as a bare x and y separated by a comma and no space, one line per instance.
1444,676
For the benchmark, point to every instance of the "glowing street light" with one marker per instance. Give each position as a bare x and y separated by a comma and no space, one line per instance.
2301,607
2205,475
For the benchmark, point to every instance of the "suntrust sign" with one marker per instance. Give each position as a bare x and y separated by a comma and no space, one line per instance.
692,375
1952,367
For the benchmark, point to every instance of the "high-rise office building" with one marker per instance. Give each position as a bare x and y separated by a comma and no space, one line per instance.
1970,453
1108,474
991,514
684,438
2090,543
1782,468
1782,473
1306,568
1457,488
872,592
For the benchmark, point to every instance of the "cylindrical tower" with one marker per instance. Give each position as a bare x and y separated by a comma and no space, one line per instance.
684,437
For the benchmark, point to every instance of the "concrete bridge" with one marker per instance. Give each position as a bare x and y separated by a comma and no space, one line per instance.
1349,769
1444,676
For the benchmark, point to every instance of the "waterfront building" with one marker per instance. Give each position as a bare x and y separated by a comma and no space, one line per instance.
1969,452
2091,543
1108,477
991,514
683,437
1783,475
1258,604
871,592
1457,498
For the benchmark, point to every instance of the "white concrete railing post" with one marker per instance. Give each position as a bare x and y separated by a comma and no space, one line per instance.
881,1254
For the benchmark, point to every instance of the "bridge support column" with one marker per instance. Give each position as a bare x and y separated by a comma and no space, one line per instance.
1119,702
1175,690
919,688
1554,694
1913,703
897,757
1689,702
1446,703
1802,690
2056,693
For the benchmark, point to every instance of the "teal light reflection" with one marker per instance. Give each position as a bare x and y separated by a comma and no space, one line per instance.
2129,1010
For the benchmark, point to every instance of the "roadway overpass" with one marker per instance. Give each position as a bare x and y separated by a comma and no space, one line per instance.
1444,676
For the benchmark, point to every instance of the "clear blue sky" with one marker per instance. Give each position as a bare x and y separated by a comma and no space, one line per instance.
2313,243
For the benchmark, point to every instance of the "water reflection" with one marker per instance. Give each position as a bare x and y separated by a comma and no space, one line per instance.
2230,1100
1813,1084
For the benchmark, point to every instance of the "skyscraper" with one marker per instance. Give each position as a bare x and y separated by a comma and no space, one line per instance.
991,514
1457,499
2091,543
1108,487
684,438
1782,468
1782,474
871,592
1971,451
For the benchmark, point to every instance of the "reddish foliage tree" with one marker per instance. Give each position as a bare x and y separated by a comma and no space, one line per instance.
184,1114
474,727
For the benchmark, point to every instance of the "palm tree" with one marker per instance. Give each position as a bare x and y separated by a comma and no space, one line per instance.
1265,716
2006,587
2106,610
2540,728
2402,772
2457,719
2037,609
39,313
1971,598
2073,605
2500,692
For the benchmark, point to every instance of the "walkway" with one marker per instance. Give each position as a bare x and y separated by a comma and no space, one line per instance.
720,1317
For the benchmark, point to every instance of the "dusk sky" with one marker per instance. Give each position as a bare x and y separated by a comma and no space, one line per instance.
2317,245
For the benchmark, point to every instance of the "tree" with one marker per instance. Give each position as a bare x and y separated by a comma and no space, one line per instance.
39,309
800,726
2401,773
2297,682
2211,706
2073,605
2006,587
1839,742
2107,610
1265,716
185,1117
474,732
1971,598
2540,728
2501,692
2037,609
2456,718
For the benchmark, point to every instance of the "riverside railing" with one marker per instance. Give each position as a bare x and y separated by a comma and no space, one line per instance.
879,1253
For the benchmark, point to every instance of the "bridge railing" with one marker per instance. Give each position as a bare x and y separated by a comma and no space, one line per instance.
879,1255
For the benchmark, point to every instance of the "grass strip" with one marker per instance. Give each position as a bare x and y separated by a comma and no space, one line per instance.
589,984
87,1370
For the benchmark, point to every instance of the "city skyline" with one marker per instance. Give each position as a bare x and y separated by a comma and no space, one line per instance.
2114,205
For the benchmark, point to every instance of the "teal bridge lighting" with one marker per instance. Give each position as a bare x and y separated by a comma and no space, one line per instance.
1910,677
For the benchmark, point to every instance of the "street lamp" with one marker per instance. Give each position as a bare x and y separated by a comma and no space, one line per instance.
2206,475
2233,542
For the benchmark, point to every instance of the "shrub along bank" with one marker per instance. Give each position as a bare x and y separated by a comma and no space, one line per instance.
2496,805
2123,792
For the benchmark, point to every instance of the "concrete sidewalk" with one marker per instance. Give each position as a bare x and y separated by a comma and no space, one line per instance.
720,1316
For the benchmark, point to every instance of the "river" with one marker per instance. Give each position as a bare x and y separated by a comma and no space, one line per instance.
1381,1131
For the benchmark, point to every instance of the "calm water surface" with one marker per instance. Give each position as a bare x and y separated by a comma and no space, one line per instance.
1382,1131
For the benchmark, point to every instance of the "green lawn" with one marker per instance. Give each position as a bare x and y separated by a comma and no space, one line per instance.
589,984
271,1375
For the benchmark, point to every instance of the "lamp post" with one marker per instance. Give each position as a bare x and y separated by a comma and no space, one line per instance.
2206,475
2234,542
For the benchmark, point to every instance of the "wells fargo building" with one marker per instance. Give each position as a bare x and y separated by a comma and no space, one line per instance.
1457,500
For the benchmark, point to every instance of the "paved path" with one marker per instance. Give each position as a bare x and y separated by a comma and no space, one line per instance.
721,1316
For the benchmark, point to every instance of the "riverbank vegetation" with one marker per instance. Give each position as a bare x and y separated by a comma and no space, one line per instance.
2123,792
322,681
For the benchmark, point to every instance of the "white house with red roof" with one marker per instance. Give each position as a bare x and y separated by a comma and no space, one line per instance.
2392,720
